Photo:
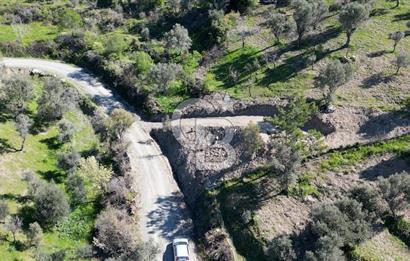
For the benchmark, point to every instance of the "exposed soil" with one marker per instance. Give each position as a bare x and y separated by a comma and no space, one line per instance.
351,125
282,215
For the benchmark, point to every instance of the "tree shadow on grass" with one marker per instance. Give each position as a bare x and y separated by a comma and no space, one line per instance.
5,117
55,175
238,63
376,54
379,12
290,67
293,65
14,197
5,146
401,17
52,143
19,246
246,196
27,215
376,79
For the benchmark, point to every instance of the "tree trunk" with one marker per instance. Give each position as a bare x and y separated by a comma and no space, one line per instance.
300,35
397,70
277,39
394,46
348,36
22,144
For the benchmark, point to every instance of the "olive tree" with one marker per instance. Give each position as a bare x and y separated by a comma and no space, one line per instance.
174,6
76,189
370,200
4,211
351,16
120,121
396,37
23,124
162,74
68,160
252,141
402,61
332,77
304,18
15,92
326,248
94,175
281,249
13,225
34,234
50,204
395,191
338,225
219,26
66,131
279,25
177,40
55,100
320,10
286,159
116,233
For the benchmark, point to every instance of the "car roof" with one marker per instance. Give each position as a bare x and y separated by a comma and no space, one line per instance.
181,250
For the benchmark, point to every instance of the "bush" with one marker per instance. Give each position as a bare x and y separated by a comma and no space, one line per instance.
66,131
281,249
55,100
50,204
116,233
143,62
41,49
399,227
69,160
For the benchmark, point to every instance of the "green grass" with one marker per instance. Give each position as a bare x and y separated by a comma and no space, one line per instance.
353,156
383,246
40,156
34,32
236,196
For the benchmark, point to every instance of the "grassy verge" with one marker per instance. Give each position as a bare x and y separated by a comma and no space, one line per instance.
383,246
32,32
349,157
40,156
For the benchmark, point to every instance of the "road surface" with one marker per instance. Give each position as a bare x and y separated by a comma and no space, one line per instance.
163,213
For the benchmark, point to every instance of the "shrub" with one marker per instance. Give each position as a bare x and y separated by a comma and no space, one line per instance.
143,62
55,100
50,204
281,249
116,233
69,160
66,131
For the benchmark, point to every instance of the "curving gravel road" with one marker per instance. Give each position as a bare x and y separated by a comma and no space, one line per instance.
163,213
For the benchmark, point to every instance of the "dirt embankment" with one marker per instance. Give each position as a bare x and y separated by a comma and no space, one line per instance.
205,162
343,127
222,105
201,164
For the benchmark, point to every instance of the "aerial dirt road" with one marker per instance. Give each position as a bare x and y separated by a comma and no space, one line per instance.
163,213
